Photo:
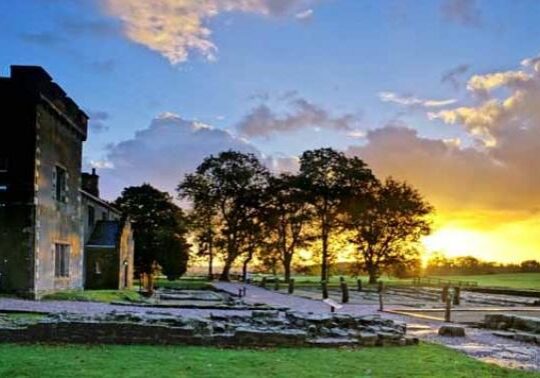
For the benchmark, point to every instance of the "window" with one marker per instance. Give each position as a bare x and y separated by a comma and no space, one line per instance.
3,164
60,184
61,260
91,216
104,216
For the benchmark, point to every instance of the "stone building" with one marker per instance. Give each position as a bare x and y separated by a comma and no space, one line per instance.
44,219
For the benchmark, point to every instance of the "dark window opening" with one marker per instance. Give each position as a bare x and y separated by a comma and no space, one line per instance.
61,260
61,184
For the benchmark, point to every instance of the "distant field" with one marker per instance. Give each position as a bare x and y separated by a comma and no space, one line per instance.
514,280
59,361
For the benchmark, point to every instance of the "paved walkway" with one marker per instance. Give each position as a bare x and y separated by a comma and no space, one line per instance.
255,294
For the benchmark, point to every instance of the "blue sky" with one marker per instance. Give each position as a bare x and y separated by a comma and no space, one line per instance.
341,58
277,77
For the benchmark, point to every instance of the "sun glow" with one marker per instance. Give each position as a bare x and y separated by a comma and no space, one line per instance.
485,237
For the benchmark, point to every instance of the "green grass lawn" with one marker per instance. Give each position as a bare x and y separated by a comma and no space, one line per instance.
185,283
95,295
511,280
151,361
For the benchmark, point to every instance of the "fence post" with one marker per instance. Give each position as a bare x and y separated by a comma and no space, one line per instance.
324,286
291,285
448,308
444,293
344,292
457,296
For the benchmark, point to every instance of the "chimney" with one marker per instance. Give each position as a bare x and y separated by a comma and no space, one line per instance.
90,183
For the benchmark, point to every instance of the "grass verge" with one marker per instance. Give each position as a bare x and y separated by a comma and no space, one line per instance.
58,361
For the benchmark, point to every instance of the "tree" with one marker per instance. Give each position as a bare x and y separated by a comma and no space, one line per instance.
159,230
329,177
387,221
530,266
230,181
287,216
202,218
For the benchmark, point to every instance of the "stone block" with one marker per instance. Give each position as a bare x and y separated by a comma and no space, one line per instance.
452,331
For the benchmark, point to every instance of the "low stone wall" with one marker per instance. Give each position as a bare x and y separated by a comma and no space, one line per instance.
504,322
520,328
263,328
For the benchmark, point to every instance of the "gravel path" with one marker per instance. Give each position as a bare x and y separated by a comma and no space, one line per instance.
95,308
478,343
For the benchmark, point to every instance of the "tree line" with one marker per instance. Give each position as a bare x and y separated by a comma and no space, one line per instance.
240,212
439,264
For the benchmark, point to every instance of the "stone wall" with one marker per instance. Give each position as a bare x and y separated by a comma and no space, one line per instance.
57,221
261,328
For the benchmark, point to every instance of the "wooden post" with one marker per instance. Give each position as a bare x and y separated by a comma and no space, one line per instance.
359,284
444,293
448,309
263,282
276,283
291,285
344,292
324,287
457,296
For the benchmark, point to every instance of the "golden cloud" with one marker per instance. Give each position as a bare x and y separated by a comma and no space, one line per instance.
174,28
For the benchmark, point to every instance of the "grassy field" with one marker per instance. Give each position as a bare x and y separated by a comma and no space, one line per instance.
513,280
95,295
148,361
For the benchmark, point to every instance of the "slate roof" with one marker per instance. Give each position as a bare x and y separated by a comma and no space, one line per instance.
105,234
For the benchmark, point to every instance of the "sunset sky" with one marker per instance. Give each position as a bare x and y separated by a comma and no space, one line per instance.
442,93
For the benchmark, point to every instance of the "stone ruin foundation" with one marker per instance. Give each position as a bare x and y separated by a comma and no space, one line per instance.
260,329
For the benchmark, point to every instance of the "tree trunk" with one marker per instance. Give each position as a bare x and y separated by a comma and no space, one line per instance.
226,270
373,274
210,263
324,256
287,268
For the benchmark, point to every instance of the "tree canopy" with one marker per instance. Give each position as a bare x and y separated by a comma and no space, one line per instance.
159,230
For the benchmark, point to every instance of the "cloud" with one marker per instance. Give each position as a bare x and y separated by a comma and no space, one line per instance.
411,101
462,12
488,82
501,121
262,121
452,177
97,122
175,28
453,75
304,15
163,153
